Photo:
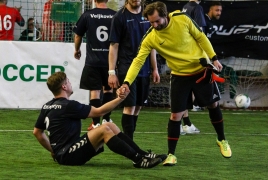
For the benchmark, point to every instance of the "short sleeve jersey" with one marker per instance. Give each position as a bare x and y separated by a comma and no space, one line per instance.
128,29
96,24
62,120
8,17
195,11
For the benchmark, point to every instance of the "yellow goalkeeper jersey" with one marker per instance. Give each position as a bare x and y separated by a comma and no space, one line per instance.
182,43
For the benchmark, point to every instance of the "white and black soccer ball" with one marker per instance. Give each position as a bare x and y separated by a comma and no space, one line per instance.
242,101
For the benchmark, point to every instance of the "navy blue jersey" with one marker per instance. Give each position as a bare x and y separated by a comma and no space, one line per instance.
96,24
209,28
128,29
62,120
195,11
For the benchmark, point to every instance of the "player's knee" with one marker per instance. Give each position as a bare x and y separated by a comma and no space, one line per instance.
212,106
176,116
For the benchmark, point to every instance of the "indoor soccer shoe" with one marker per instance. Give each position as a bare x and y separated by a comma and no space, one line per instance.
190,129
105,121
92,126
181,131
147,162
152,155
170,161
225,148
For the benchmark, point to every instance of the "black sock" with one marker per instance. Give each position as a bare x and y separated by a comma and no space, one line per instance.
173,135
107,97
135,119
128,125
96,103
217,121
119,146
186,121
131,143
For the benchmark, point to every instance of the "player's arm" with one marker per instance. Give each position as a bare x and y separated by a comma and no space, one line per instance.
204,42
155,74
109,106
113,54
20,20
42,138
77,45
138,62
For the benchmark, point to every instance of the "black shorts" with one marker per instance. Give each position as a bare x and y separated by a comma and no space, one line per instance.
139,91
78,153
94,78
181,88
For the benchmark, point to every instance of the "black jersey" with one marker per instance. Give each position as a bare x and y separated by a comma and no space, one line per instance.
62,120
128,29
96,24
209,28
195,11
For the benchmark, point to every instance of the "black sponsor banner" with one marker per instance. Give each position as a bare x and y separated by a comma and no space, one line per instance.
242,30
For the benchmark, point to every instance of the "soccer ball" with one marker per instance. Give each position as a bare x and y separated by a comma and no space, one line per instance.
242,101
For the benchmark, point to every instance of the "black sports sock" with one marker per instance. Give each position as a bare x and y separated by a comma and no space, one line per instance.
107,97
96,103
217,121
135,119
128,125
131,143
186,121
119,146
173,135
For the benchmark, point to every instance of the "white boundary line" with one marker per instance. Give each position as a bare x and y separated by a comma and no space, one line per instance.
240,134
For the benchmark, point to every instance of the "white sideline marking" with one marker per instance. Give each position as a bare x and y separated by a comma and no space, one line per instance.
206,112
242,134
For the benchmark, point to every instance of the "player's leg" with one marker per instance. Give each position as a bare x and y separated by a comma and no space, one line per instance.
107,94
129,104
188,126
109,133
91,80
207,94
132,144
180,95
143,85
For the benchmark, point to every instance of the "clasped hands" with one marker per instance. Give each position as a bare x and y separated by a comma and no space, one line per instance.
123,91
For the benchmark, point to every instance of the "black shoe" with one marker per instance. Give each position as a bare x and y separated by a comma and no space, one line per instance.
152,155
147,162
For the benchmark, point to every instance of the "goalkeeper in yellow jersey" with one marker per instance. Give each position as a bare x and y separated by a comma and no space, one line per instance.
177,38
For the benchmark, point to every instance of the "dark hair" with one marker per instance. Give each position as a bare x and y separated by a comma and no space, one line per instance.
55,81
215,3
158,6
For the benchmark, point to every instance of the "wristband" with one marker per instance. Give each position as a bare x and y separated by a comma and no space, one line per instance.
111,72
215,58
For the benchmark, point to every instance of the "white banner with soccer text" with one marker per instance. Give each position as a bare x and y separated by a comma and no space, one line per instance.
25,67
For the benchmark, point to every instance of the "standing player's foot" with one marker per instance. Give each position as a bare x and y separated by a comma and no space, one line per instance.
225,148
92,126
190,129
170,161
182,132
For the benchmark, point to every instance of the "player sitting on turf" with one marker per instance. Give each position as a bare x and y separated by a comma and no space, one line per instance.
61,118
